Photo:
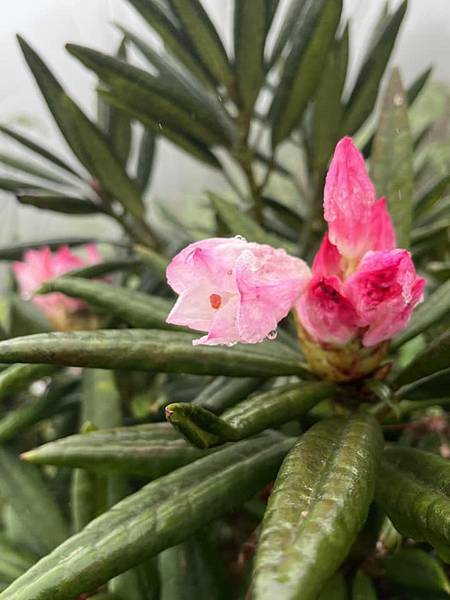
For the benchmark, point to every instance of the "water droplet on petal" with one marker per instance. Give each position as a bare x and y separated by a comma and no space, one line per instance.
272,335
240,237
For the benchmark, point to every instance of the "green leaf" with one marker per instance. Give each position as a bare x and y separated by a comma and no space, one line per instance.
169,99
435,308
287,27
327,107
119,129
223,393
31,168
16,251
250,27
12,184
25,491
38,149
259,412
157,262
433,358
312,39
105,268
413,488
140,583
86,140
204,38
318,505
146,158
174,39
145,450
238,223
335,588
414,569
392,159
434,386
150,350
19,377
417,85
13,562
365,91
362,587
25,318
431,195
101,401
160,515
62,204
135,308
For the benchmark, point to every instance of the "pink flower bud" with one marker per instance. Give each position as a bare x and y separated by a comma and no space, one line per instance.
234,290
41,265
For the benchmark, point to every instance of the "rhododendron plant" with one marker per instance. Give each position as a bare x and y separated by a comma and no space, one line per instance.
39,266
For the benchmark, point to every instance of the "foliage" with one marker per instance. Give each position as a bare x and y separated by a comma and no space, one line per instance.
179,509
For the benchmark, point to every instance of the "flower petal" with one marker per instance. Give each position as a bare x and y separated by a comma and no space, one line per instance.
327,260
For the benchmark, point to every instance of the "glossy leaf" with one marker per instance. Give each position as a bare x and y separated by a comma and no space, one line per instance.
311,40
365,91
435,308
319,503
63,204
204,38
223,393
135,308
160,515
413,488
25,491
433,358
392,159
259,412
86,140
250,26
146,450
150,350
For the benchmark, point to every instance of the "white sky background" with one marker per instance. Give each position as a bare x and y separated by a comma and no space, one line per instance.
49,24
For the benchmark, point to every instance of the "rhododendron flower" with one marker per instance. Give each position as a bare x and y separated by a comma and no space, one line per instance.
362,286
234,290
41,265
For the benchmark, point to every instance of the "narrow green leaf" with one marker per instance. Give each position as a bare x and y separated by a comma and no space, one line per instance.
160,515
362,587
312,39
238,223
87,141
135,308
271,10
416,570
392,159
38,149
157,262
25,318
25,491
101,401
433,358
150,350
204,38
86,498
365,91
146,158
12,184
417,85
62,204
434,386
287,27
18,377
335,588
250,27
259,412
175,40
13,562
431,195
145,450
139,583
105,268
119,130
318,505
413,488
430,234
16,251
327,107
435,308
223,393
31,168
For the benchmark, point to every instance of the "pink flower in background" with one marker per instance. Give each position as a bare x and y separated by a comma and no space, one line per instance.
234,290
41,265
361,286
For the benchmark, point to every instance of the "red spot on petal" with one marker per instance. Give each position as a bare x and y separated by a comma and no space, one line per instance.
216,301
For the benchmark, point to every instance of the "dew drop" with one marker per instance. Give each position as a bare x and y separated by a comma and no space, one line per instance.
272,335
240,237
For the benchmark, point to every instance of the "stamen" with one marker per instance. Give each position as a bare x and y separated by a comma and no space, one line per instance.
216,301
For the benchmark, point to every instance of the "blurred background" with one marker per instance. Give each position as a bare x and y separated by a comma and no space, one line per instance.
49,24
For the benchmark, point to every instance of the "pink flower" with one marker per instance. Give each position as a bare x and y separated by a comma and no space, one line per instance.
362,287
234,290
41,265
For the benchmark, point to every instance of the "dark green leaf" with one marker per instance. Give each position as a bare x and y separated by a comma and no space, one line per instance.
259,412
433,386
431,195
12,184
63,204
413,488
119,129
335,588
287,28
204,38
417,85
415,570
139,583
392,159
25,491
157,262
435,308
13,562
31,168
18,377
318,505
16,251
365,91
312,38
151,350
146,157
105,268
223,393
362,587
160,515
25,318
250,27
433,358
